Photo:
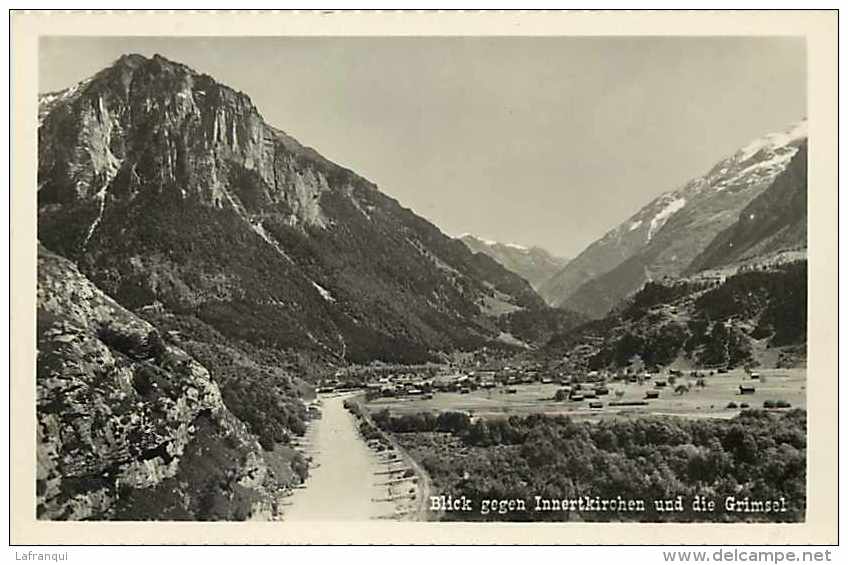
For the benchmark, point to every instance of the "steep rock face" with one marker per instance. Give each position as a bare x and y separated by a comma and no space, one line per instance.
534,264
774,222
664,237
130,426
168,187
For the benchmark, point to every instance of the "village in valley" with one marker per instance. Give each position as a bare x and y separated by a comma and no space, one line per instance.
524,389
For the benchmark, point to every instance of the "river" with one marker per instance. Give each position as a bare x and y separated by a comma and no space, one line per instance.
344,480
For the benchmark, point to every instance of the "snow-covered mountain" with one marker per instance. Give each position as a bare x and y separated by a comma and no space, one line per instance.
664,237
771,229
534,264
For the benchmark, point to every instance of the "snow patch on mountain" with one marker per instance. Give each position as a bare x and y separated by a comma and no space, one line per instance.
480,239
775,164
662,217
259,229
774,141
325,294
101,197
49,100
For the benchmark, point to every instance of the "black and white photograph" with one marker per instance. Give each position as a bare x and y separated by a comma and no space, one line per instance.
477,279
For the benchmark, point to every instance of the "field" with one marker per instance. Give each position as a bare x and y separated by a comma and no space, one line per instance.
710,401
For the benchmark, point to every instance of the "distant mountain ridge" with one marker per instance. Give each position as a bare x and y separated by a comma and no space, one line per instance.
665,236
169,188
534,264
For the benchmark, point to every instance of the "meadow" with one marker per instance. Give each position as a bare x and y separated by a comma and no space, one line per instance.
714,400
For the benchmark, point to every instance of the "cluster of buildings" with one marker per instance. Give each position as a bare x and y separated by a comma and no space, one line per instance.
421,383
410,381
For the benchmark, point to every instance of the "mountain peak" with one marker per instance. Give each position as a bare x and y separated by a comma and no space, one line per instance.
791,135
470,237
535,264
130,60
152,166
668,233
137,60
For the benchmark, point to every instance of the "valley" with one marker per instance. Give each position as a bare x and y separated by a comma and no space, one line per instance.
719,397
232,327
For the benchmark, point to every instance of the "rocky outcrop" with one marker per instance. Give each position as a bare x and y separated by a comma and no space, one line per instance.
130,426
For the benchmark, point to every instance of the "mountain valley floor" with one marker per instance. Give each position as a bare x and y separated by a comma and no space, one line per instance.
719,398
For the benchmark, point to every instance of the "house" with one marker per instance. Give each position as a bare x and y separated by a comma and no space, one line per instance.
652,394
755,375
746,389
596,404
660,384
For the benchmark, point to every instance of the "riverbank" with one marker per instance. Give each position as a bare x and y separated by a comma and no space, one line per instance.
348,481
409,483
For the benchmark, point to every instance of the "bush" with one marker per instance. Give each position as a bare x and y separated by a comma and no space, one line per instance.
155,346
131,344
143,379
776,404
646,458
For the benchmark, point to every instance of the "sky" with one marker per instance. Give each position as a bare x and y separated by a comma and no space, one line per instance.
547,141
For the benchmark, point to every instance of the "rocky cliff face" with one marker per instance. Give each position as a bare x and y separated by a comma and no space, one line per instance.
129,426
169,188
664,237
534,264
